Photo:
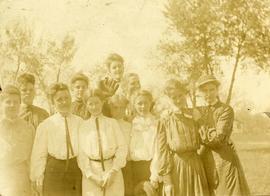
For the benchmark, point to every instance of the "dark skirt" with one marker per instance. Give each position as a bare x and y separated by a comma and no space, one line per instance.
140,172
59,181
188,175
128,179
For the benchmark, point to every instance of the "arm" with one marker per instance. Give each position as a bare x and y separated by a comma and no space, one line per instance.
224,127
39,154
122,148
82,159
164,165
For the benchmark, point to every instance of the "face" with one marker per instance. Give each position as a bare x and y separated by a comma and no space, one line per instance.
142,105
94,105
11,106
62,101
118,111
116,70
79,88
27,93
178,98
209,92
134,84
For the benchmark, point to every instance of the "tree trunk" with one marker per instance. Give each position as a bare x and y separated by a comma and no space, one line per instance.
18,68
58,74
237,60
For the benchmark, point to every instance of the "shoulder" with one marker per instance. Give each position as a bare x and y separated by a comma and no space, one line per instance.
224,108
40,111
77,118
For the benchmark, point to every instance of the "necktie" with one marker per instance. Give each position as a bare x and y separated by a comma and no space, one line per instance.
100,145
68,143
100,152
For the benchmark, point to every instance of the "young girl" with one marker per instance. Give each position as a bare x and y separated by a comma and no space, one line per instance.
118,105
16,137
102,151
143,134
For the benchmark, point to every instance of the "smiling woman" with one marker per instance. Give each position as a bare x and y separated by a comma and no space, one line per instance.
16,138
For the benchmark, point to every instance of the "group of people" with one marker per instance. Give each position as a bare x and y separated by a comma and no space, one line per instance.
115,139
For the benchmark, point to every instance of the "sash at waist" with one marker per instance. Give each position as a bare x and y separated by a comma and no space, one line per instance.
99,160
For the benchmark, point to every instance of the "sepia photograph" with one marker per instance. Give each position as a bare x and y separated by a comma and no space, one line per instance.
134,98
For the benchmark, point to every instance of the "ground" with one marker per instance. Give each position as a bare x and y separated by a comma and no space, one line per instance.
254,153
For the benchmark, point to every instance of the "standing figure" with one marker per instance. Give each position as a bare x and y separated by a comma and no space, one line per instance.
16,138
79,86
102,151
131,85
216,129
178,140
115,71
29,112
143,135
54,169
118,105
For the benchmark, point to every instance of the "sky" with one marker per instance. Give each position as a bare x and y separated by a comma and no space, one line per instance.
132,28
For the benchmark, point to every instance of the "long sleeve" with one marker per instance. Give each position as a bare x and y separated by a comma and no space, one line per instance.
154,165
163,154
39,153
121,150
83,162
224,125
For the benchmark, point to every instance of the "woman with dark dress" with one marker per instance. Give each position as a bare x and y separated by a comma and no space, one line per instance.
178,140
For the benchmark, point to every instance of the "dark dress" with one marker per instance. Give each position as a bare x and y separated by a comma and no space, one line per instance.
178,161
222,164
33,114
79,108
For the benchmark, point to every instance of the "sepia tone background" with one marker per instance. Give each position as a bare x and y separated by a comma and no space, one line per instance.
158,39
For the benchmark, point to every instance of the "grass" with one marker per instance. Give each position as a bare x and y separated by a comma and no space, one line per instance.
254,153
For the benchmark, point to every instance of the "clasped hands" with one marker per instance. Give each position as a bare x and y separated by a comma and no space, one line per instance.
103,180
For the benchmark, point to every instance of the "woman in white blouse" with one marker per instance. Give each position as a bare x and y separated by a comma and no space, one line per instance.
143,135
54,168
102,152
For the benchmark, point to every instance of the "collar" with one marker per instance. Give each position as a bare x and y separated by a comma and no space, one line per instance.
98,116
59,115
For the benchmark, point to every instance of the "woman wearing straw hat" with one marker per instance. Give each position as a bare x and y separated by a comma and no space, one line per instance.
216,129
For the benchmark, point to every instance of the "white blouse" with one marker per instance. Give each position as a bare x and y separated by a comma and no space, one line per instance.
51,140
112,141
143,136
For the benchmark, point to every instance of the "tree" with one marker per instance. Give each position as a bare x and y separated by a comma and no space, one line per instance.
246,34
211,29
61,54
18,40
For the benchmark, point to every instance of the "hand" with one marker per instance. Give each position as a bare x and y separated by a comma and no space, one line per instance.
169,190
36,188
196,114
108,86
98,180
107,178
154,184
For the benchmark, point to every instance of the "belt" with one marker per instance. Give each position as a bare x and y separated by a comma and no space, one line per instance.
99,160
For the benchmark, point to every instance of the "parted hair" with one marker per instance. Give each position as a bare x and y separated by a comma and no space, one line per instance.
174,84
113,57
96,93
26,78
10,90
144,93
56,87
79,76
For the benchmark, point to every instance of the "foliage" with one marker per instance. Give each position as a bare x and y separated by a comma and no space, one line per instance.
210,29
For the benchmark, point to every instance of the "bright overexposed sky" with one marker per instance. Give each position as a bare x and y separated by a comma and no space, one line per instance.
131,28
